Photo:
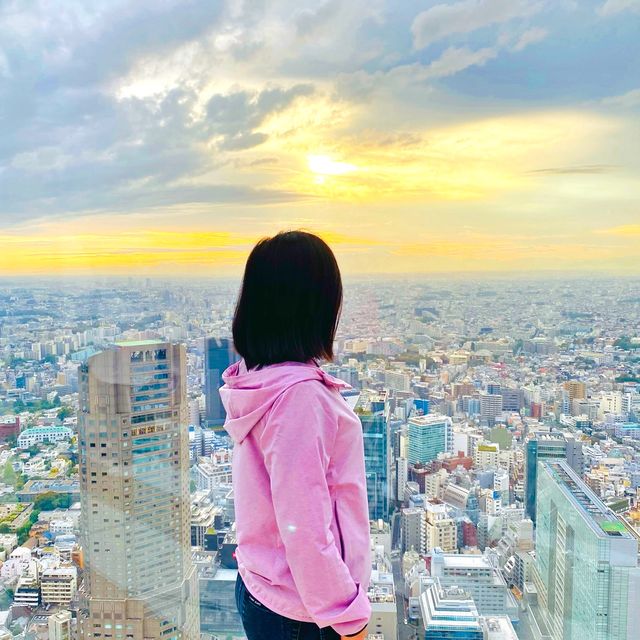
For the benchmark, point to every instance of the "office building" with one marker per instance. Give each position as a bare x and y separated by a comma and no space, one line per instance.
371,409
218,355
441,530
9,427
427,436
382,595
133,448
512,399
27,591
449,613
59,585
413,529
490,407
575,389
60,625
205,518
478,576
215,470
218,611
586,568
547,446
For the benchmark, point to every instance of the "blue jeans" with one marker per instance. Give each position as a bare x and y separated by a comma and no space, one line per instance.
260,623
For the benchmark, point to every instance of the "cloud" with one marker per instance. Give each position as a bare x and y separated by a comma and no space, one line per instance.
307,21
574,170
626,100
530,36
466,16
235,116
625,230
134,153
456,59
613,7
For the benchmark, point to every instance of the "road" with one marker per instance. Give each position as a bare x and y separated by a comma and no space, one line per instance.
405,631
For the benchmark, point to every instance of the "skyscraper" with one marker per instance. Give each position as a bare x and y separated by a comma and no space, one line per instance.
543,446
586,571
139,579
427,436
218,355
370,408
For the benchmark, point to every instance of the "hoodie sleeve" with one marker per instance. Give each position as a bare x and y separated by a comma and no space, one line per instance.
297,441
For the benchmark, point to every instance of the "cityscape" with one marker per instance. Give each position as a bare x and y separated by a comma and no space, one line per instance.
501,424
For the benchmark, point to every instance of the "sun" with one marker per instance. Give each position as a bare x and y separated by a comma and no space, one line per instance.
325,166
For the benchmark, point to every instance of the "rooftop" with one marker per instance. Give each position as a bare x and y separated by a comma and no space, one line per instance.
139,343
602,520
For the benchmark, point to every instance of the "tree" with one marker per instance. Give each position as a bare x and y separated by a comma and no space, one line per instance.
9,475
51,500
65,412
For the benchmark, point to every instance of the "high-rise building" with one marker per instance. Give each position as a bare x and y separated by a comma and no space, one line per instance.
427,436
543,446
577,390
370,408
441,531
413,529
139,579
218,355
586,568
512,399
490,407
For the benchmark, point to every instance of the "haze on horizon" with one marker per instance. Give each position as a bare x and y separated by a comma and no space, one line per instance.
422,137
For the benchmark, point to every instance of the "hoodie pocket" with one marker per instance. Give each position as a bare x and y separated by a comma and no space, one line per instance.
339,539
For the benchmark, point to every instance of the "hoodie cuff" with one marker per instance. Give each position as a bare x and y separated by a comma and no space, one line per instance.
359,611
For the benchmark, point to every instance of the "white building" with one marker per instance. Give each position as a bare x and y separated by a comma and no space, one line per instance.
63,526
480,578
214,470
59,585
38,435
60,625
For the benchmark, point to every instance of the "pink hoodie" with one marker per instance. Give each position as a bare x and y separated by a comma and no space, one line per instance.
300,493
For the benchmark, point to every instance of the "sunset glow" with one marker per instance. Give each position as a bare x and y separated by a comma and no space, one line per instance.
421,145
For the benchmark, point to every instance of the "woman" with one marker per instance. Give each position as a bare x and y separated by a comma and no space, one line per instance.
298,463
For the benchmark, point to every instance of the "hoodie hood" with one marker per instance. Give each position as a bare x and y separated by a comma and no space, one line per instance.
248,395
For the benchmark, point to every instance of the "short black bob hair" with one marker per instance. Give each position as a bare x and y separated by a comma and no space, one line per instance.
290,301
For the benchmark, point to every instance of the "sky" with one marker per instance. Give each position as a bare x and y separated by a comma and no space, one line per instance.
168,136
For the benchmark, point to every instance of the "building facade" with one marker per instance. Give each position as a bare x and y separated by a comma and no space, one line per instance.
548,446
427,436
586,570
218,355
370,408
133,445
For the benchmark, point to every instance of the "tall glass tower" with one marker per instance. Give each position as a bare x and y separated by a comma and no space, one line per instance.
370,408
586,569
427,436
218,355
548,446
140,583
